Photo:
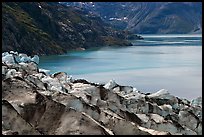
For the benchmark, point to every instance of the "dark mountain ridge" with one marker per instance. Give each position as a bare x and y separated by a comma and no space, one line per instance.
51,28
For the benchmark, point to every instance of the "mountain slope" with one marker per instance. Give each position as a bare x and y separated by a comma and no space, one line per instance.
149,17
52,28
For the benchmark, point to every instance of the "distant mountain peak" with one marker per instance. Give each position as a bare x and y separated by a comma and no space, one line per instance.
148,17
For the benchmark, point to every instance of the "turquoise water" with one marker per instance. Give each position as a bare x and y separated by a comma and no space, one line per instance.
173,62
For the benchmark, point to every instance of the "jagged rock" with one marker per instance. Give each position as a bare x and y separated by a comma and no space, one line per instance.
167,109
4,70
53,84
175,106
127,129
29,67
154,132
36,81
11,120
9,132
163,93
197,111
197,102
185,101
44,71
157,118
62,77
40,75
110,85
188,119
198,130
143,117
135,95
126,89
10,73
116,90
163,97
169,127
85,91
187,131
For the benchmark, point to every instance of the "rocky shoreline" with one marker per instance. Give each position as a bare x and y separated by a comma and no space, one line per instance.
37,103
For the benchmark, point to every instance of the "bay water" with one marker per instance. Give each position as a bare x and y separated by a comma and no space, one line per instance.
172,62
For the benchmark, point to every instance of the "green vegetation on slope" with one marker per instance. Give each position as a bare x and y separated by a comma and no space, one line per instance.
51,28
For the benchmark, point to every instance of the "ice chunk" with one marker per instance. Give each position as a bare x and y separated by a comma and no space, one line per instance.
35,59
8,59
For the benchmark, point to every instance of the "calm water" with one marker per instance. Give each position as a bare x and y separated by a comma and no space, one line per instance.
172,62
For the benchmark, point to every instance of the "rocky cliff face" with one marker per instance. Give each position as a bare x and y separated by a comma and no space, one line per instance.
149,17
34,102
51,28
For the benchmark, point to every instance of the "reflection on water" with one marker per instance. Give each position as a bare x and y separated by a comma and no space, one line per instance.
173,63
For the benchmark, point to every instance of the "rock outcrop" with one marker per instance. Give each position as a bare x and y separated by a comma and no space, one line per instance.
35,102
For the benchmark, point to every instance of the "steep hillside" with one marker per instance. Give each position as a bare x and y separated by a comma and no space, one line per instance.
149,17
52,28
